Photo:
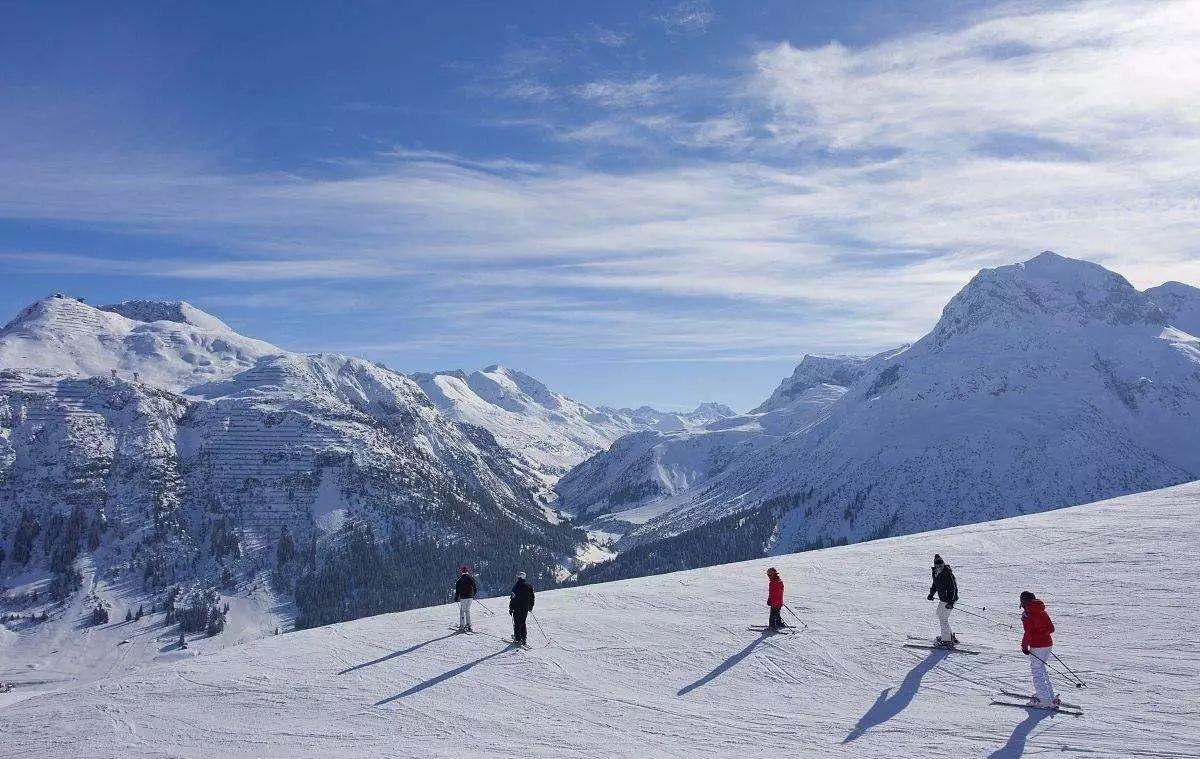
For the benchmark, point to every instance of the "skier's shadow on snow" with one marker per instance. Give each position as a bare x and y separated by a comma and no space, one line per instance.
443,677
890,704
394,654
724,666
1020,734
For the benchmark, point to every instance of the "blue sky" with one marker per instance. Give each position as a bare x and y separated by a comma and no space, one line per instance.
660,202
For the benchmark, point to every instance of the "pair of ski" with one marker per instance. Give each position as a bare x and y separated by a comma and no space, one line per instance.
776,630
1025,701
509,641
931,644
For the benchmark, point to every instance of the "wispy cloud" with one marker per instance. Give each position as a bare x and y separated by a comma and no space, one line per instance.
689,17
610,37
623,94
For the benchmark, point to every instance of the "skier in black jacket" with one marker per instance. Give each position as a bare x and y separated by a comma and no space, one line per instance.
520,603
946,588
464,590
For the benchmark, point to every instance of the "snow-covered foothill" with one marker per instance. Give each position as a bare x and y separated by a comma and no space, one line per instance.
665,665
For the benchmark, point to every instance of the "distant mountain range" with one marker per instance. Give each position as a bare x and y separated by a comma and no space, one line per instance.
1044,384
549,431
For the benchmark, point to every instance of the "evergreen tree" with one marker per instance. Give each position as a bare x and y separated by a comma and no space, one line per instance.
286,549
27,529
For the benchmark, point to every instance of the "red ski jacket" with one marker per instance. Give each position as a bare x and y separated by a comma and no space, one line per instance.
775,592
1037,626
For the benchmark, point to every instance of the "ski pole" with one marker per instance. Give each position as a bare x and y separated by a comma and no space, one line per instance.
1079,683
803,624
993,620
1073,681
539,624
489,611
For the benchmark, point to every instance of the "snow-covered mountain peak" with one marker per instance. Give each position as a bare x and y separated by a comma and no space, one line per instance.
710,411
500,384
68,335
1181,303
814,370
179,311
1046,290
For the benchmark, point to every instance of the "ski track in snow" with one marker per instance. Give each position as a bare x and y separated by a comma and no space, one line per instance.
664,667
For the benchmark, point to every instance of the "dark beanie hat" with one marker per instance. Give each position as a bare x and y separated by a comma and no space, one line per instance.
937,558
1026,597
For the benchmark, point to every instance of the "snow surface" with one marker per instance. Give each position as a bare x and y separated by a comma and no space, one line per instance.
665,667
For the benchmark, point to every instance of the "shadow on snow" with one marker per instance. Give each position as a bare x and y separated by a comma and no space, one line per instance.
443,677
1015,746
394,654
889,704
725,665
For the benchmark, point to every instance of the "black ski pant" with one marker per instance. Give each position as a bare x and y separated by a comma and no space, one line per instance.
519,631
776,620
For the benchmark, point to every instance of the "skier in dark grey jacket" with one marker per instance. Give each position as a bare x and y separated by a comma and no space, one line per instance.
465,590
946,589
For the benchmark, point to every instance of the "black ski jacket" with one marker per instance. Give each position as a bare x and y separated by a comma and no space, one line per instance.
944,585
465,587
522,597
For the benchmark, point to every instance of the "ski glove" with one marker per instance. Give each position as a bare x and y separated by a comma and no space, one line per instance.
929,597
1025,650
949,606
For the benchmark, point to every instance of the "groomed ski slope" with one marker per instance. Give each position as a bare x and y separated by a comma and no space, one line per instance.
665,667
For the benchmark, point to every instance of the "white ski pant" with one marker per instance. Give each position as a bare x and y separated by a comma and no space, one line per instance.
1041,680
464,612
943,615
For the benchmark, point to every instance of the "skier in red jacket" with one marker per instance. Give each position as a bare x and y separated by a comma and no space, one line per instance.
775,598
1036,643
